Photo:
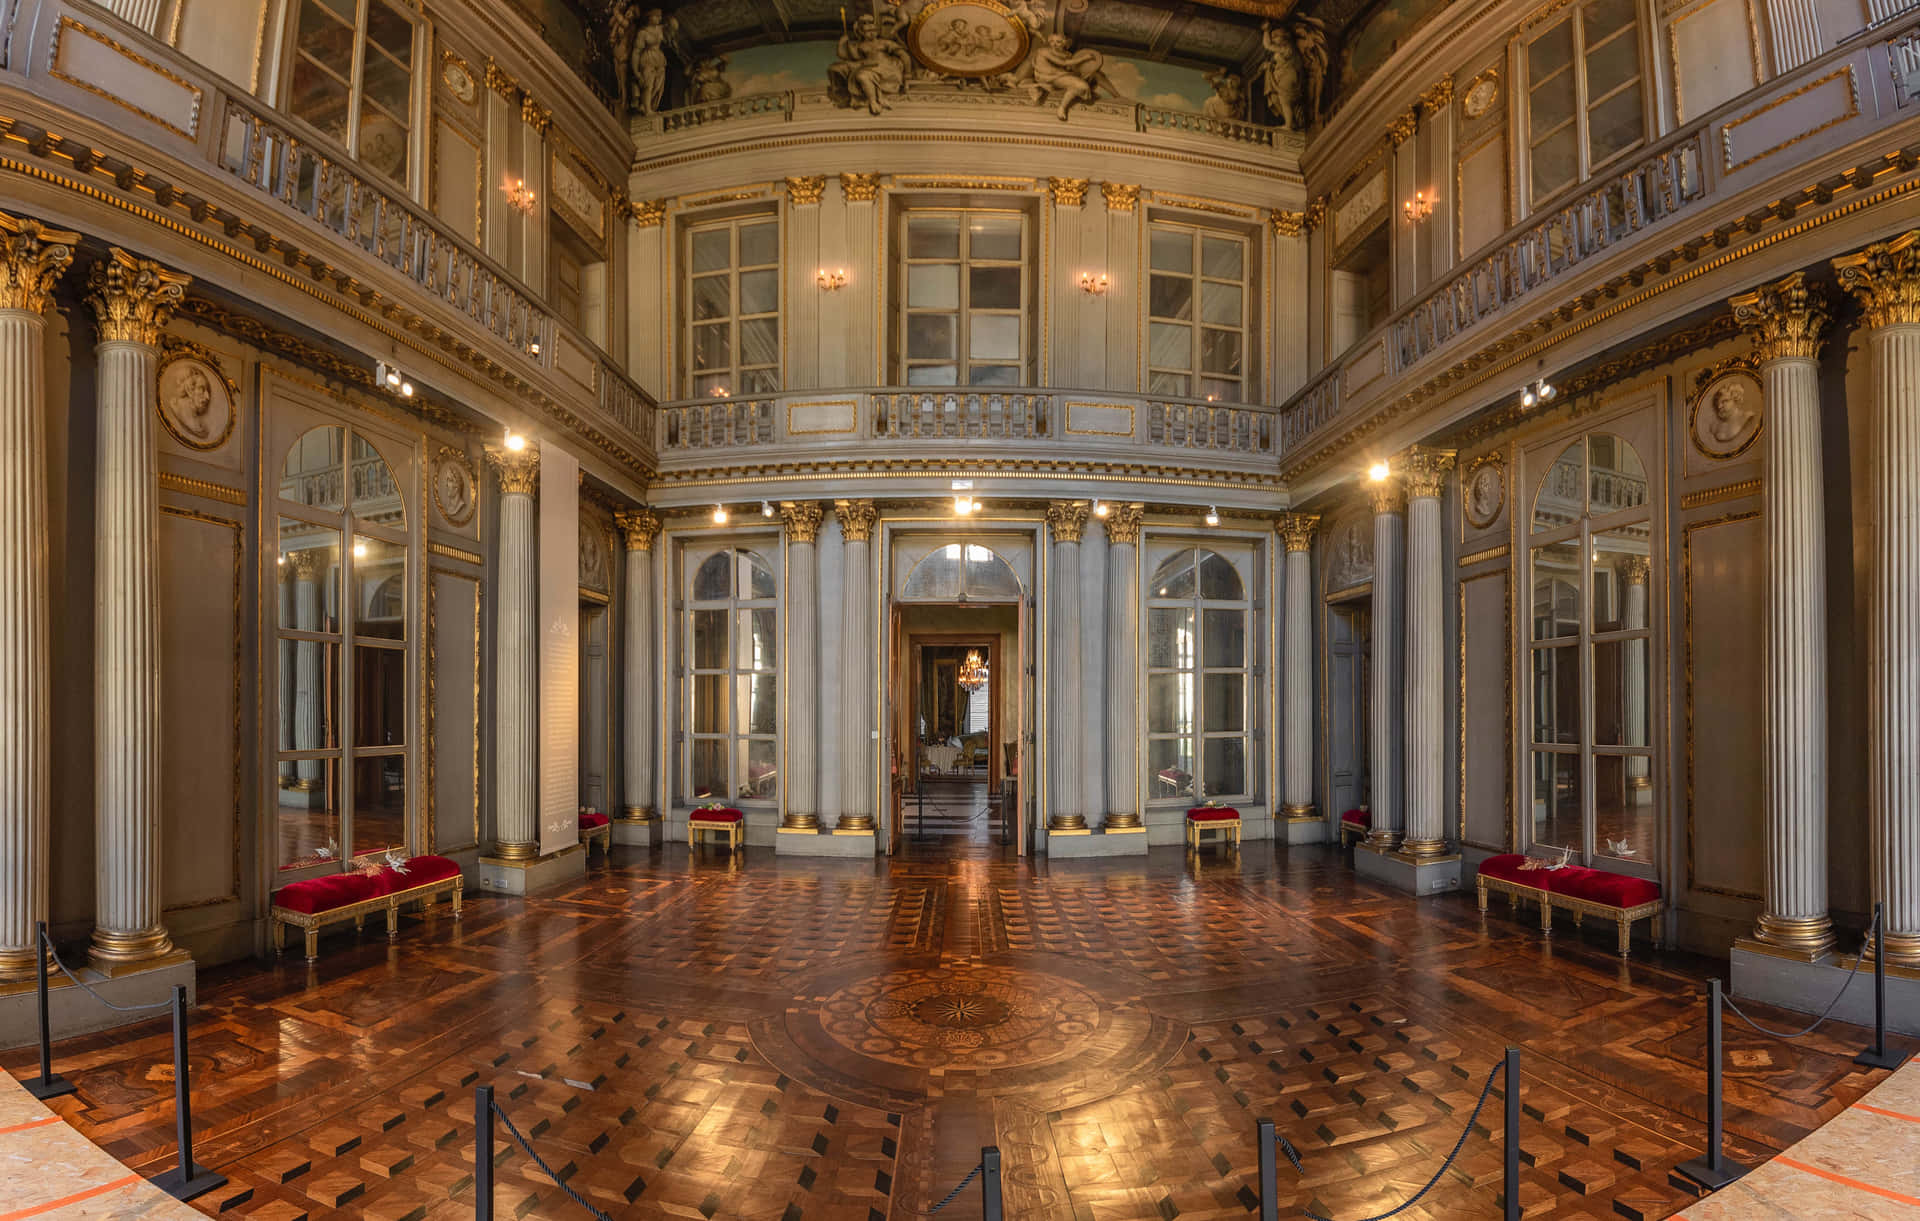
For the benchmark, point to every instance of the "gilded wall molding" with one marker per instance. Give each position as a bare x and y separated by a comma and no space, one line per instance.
33,257
448,551
1729,491
206,490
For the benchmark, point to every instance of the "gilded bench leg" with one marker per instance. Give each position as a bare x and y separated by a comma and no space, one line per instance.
1482,887
456,901
279,936
359,923
1546,914
313,944
393,919
1626,934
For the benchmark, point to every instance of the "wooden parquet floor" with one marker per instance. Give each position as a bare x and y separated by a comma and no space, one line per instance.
830,1041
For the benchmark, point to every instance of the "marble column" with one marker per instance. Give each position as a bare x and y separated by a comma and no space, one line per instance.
857,518
835,666
1886,279
639,527
802,521
1425,477
1386,794
1635,571
307,692
32,259
516,828
1066,522
1787,321
1296,709
1123,668
132,300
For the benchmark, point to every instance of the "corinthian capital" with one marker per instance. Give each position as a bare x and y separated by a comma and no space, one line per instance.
1387,495
1425,471
1123,523
1067,520
1787,319
1296,530
802,518
133,298
856,519
639,526
519,469
32,258
1886,278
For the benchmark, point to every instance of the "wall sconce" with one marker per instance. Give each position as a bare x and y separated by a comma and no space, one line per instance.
831,281
1092,284
520,196
1418,208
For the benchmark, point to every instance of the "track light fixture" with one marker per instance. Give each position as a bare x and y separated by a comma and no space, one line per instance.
1541,391
515,441
719,515
390,377
1379,472
766,508
1213,515
1100,508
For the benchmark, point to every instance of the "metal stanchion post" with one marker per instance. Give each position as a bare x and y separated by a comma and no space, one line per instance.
1269,1175
1510,1173
188,1179
483,1153
1879,1055
993,1209
46,1085
1715,1170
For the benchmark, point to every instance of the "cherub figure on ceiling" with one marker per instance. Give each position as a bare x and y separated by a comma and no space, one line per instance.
1069,75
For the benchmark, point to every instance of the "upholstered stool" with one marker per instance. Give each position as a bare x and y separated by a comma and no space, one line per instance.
728,822
1354,825
1224,819
595,826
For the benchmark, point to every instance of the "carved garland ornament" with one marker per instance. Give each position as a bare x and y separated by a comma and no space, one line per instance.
133,298
32,259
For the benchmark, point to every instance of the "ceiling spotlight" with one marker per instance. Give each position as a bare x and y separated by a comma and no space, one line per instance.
515,441
533,347
388,374
963,505
406,389
766,508
1379,472
1100,508
719,515
1213,515
1527,397
359,551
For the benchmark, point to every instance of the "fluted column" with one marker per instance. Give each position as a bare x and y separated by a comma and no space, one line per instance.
640,527
516,827
1886,279
857,518
132,300
1426,659
1296,759
1066,521
1386,793
307,681
1635,571
1788,322
802,519
32,259
1123,670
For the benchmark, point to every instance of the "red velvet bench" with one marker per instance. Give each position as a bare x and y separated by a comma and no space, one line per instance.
597,826
1574,888
1355,824
314,903
723,820
1224,819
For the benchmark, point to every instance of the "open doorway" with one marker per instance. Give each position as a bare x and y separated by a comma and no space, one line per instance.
955,788
596,705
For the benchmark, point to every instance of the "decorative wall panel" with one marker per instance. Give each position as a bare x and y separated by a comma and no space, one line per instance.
453,710
1486,704
1705,43
201,580
1723,561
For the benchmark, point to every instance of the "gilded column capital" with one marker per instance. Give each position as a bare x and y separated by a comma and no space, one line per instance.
1424,471
534,115
1297,530
1067,520
1886,278
519,469
1434,100
1123,523
500,82
1635,569
305,564
32,258
857,518
1068,192
860,188
1401,129
1120,196
1287,224
647,213
807,188
1387,495
1316,214
1787,319
802,519
133,298
639,526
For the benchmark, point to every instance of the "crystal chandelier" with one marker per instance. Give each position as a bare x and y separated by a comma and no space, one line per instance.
973,672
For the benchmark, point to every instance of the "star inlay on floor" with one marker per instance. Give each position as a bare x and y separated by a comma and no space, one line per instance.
699,1037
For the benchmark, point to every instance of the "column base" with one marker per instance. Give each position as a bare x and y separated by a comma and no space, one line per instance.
1763,972
1299,813
803,841
1807,938
1903,950
114,953
1124,824
1415,875
513,850
645,832
71,1012
523,876
799,822
1308,830
1383,841
1067,822
1423,849
854,824
638,814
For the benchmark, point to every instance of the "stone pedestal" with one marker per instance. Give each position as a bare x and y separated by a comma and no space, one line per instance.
516,756
1417,875
72,1013
1760,972
1102,842
526,875
815,841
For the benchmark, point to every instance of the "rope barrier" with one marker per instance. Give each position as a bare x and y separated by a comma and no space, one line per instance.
955,1193
538,1161
53,954
1293,1155
1873,936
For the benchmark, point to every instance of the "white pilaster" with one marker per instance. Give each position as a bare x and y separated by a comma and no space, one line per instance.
516,755
1426,665
1121,368
132,300
1389,650
857,518
835,668
1122,727
639,692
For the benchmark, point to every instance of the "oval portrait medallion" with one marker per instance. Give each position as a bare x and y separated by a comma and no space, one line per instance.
968,38
1484,492
196,400
453,487
1726,415
1481,93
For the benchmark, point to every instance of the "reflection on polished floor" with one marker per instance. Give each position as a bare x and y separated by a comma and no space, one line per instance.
698,1037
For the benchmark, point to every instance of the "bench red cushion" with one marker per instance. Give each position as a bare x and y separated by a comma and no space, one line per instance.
314,895
1506,867
592,819
1358,818
1600,886
1213,814
424,869
715,816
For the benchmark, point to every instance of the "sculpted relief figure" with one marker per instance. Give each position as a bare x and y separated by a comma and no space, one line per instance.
710,80
1729,416
1296,70
620,43
1229,100
871,67
1070,75
649,62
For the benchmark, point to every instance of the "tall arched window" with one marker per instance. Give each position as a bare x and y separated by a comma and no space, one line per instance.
1198,672
344,702
732,666
1591,646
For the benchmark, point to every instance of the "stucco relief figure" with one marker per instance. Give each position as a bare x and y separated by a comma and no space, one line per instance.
1352,560
1229,100
1070,75
453,488
593,558
1296,70
649,62
710,80
1486,493
1727,415
195,404
620,43
871,67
